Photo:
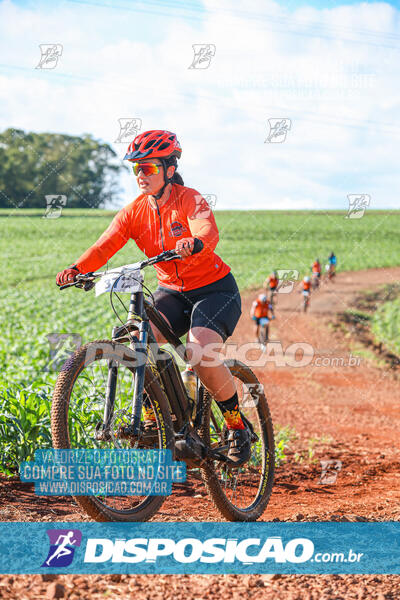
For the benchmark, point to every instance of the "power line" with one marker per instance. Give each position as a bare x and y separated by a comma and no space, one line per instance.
258,18
227,100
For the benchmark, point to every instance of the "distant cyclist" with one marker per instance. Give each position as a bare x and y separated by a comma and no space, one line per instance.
261,309
271,284
306,290
332,263
316,273
316,267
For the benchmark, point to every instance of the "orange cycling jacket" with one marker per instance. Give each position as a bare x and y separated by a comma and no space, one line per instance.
273,282
261,309
316,268
184,214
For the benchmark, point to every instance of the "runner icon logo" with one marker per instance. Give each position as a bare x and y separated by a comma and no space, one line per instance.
62,547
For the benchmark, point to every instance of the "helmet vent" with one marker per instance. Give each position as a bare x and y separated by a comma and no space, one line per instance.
149,144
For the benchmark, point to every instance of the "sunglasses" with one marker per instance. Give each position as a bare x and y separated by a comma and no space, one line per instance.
146,168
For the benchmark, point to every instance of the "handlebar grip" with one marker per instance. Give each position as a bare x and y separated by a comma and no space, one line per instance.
197,246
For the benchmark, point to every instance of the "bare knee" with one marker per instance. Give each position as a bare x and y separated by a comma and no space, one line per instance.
204,347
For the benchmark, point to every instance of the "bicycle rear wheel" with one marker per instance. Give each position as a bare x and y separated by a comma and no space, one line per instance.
263,335
78,406
240,493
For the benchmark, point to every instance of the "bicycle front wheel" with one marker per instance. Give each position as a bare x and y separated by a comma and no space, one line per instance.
78,405
240,493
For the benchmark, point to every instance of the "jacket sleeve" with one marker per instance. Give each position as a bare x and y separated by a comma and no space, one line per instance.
201,220
113,239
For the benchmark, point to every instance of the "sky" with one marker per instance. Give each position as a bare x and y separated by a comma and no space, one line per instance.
297,106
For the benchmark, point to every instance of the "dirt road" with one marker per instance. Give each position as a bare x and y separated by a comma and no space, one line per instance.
343,413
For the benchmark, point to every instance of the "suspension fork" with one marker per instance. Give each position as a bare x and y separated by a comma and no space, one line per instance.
110,394
137,402
103,428
136,307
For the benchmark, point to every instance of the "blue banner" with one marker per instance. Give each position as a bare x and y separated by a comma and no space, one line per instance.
214,548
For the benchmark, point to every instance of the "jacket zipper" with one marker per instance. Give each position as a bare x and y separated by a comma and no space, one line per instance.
159,218
162,244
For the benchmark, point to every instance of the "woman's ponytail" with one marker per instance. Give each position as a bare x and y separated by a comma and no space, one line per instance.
176,177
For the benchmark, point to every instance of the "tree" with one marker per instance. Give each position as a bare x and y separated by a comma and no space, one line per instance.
33,165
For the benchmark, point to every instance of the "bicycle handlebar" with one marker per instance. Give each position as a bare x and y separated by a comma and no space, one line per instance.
82,280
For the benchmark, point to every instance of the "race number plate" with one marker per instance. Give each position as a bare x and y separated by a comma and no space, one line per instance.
129,278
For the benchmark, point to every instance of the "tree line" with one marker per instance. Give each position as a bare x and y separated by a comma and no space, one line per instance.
33,165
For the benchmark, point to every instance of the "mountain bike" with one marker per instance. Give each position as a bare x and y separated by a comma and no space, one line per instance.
330,272
315,280
103,391
272,299
306,300
263,331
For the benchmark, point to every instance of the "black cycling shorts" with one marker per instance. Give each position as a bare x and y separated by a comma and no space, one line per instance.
216,306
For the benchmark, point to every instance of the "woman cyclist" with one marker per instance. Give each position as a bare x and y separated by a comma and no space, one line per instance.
197,294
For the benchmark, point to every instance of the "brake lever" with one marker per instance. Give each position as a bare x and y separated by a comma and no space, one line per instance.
67,285
88,285
81,281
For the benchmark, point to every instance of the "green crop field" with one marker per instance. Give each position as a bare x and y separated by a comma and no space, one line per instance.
34,249
386,325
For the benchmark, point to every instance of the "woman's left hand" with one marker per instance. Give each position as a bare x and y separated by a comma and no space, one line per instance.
184,247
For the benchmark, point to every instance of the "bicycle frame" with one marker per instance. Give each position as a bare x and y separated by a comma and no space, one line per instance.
143,311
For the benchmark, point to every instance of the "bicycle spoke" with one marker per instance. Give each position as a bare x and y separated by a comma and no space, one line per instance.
86,411
240,485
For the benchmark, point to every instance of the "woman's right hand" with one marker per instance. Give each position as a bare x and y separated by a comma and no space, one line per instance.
67,276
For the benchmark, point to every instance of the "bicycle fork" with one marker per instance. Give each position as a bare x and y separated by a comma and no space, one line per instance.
139,346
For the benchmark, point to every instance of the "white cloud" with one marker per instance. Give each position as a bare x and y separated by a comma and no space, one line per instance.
269,63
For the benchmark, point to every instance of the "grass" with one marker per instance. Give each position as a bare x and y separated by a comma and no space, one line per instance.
284,436
253,243
378,313
386,326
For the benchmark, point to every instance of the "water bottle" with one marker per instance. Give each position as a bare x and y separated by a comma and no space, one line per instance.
190,381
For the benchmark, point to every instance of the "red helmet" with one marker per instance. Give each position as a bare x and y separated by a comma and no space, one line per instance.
157,143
